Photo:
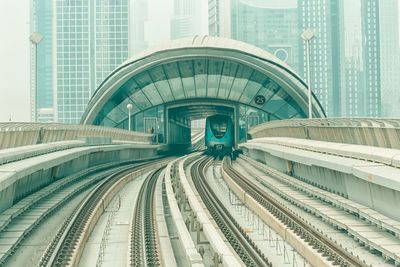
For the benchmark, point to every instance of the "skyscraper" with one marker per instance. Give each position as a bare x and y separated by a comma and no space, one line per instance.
389,58
323,18
219,18
41,22
271,25
139,19
276,26
372,38
186,18
371,48
83,41
151,23
352,61
90,40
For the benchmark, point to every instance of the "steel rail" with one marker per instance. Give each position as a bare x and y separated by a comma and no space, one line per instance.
63,246
144,246
336,254
71,187
247,250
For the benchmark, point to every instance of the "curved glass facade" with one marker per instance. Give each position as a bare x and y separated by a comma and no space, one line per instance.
197,78
198,70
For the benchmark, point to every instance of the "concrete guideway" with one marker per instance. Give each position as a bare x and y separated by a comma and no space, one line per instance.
273,246
387,156
347,188
293,232
22,218
20,178
193,258
23,152
368,214
23,134
374,185
358,177
371,236
237,237
361,131
79,227
164,241
223,253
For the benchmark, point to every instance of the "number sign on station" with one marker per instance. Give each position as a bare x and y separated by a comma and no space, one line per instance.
259,100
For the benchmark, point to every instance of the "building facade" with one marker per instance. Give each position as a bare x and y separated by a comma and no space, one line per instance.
276,26
219,18
186,18
139,20
91,39
42,60
83,41
151,23
271,25
371,49
355,55
323,18
389,58
373,56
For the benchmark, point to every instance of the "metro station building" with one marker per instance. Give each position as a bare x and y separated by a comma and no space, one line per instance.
192,78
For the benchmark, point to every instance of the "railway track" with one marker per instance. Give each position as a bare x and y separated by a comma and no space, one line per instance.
248,252
65,248
330,250
38,206
144,247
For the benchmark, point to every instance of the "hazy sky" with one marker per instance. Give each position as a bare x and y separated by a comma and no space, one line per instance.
14,60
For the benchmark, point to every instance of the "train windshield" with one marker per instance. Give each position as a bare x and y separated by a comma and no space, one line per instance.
218,126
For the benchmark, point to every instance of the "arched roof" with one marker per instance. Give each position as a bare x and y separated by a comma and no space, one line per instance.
200,68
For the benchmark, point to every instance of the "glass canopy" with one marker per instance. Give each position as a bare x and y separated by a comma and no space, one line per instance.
194,69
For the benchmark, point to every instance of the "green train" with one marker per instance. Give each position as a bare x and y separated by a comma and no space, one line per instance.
219,135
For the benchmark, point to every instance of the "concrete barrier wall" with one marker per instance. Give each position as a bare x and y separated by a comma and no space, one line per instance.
21,134
16,184
371,132
346,182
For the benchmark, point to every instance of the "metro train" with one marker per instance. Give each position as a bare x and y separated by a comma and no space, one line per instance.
219,135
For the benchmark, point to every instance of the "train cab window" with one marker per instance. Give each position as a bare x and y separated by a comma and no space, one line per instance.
218,126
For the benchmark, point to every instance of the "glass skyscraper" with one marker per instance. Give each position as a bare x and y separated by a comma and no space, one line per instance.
219,18
186,18
372,58
389,58
276,26
91,39
140,16
323,18
271,25
353,99
370,31
41,22
83,41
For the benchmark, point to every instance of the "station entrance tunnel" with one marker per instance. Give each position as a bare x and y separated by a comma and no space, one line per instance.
167,87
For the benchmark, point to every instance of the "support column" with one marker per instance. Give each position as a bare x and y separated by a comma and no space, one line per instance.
236,115
166,125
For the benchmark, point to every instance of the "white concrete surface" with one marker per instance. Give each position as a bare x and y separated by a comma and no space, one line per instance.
108,245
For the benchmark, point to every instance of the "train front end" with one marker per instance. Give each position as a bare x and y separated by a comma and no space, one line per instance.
219,135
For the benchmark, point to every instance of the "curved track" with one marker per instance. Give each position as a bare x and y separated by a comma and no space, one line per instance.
248,252
144,246
326,246
64,247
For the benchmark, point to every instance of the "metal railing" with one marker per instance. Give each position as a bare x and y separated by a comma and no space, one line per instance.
22,134
361,131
